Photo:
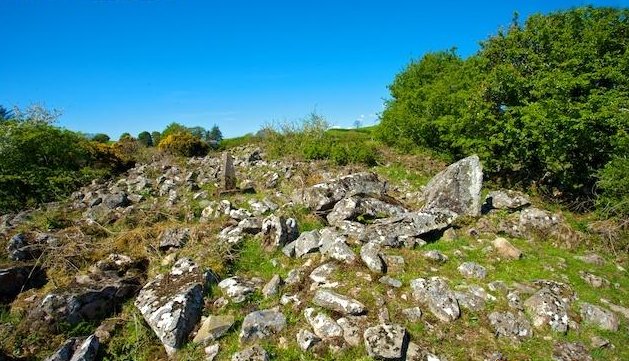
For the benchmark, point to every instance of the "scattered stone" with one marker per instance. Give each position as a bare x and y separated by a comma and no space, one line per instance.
272,287
592,258
435,256
470,301
211,351
507,199
236,288
335,302
213,328
506,249
307,242
251,353
386,342
413,314
351,329
534,219
547,308
370,255
251,225
599,342
390,281
76,350
593,280
228,173
307,339
616,308
20,248
294,277
497,286
16,279
457,188
393,264
599,317
115,200
323,325
435,293
358,207
506,324
339,251
416,353
262,324
278,231
174,238
570,351
472,270
171,304
322,273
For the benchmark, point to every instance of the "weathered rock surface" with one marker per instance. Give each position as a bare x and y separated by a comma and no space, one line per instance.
272,287
357,206
228,172
339,303
472,270
171,304
507,199
14,280
506,249
251,353
370,255
599,316
213,328
506,324
76,349
262,324
570,351
278,231
307,242
457,188
386,342
547,308
236,288
174,238
323,325
436,294
307,339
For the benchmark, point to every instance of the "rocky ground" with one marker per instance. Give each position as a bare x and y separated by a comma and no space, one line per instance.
243,258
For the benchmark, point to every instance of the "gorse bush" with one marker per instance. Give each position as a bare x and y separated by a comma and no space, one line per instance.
542,104
183,144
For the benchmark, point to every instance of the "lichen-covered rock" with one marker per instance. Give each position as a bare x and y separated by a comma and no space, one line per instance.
278,231
472,270
236,288
570,351
351,208
307,242
507,199
370,255
76,349
228,173
174,238
272,287
506,324
322,273
457,188
537,220
251,353
352,329
323,325
599,316
336,302
171,304
394,231
307,339
547,308
213,328
470,301
386,342
435,256
413,314
436,294
262,324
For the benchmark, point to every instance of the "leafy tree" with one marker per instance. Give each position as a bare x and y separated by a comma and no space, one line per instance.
156,137
216,134
544,103
183,144
101,138
5,114
174,128
124,136
145,139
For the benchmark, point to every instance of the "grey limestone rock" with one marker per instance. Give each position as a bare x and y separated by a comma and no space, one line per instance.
236,288
371,257
548,308
307,242
251,353
599,316
174,238
472,270
262,324
436,294
507,324
213,328
307,339
386,342
336,302
507,199
323,325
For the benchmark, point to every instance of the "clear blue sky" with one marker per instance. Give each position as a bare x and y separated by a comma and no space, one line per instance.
114,66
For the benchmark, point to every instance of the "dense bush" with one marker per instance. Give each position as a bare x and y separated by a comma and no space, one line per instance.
40,162
544,103
183,144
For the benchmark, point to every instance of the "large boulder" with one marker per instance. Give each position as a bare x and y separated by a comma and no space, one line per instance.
355,207
171,303
457,188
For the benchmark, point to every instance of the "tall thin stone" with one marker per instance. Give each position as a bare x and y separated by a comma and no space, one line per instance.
228,172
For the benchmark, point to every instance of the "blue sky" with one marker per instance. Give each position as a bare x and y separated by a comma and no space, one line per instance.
117,66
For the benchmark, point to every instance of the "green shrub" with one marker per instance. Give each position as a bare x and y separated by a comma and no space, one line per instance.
542,104
183,144
614,186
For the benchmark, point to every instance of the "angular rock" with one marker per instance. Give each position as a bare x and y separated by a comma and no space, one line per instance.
355,207
171,304
591,258
228,173
251,225
370,254
76,349
470,301
599,317
506,249
569,351
339,303
14,280
236,288
213,328
20,248
115,200
537,220
390,281
593,280
307,339
506,324
436,294
507,199
211,351
322,273
386,342
323,325
472,270
457,188
339,251
262,324
547,308
174,238
252,353
307,242
435,256
394,231
278,231
413,314
272,287
351,326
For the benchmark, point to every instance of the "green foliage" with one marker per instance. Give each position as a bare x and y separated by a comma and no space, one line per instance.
125,136
173,128
183,144
614,185
156,137
101,138
145,139
542,104
5,114
216,134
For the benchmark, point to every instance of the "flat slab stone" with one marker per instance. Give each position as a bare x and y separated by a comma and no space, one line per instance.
262,324
213,328
339,303
386,342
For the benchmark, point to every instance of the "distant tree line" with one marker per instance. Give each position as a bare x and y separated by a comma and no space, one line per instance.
544,104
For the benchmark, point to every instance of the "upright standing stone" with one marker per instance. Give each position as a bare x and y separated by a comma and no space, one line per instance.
228,172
